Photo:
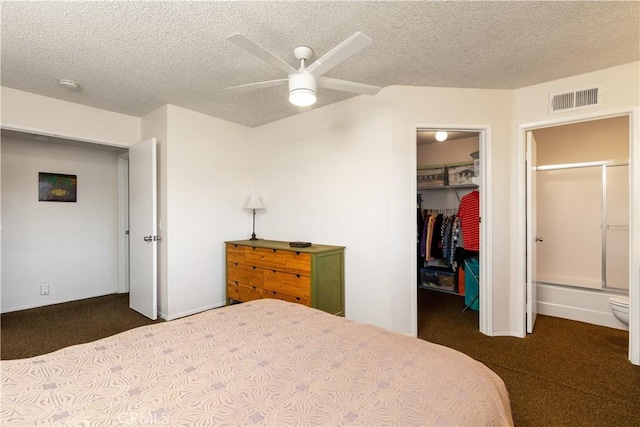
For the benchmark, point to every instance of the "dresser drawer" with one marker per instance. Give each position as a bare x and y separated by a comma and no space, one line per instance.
245,274
235,253
312,276
268,258
291,284
243,293
285,297
298,263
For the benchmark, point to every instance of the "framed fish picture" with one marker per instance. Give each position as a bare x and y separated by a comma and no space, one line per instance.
57,187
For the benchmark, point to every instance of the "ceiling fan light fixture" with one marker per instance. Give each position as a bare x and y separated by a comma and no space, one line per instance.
302,90
302,97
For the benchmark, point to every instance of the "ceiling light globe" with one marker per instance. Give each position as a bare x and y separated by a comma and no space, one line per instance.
441,136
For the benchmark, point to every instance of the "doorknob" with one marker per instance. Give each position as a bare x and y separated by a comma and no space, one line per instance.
538,239
148,238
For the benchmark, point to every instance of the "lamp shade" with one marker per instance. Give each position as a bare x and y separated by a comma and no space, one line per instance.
254,202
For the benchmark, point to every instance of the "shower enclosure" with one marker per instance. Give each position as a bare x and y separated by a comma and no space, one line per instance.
583,219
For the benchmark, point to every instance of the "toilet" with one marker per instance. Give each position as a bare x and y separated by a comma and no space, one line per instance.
620,308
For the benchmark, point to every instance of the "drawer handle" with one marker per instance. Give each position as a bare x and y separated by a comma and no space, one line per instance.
274,272
297,253
298,276
297,298
274,250
253,266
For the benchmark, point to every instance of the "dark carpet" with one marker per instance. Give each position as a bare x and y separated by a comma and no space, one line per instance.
41,330
564,374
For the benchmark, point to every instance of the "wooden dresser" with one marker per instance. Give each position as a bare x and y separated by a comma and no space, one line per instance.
313,276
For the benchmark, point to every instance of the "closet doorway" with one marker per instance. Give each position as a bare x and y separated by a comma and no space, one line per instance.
99,166
448,180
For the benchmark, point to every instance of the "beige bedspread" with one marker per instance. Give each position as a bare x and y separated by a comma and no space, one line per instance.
265,362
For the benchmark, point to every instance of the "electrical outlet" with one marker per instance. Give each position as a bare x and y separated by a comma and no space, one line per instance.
44,288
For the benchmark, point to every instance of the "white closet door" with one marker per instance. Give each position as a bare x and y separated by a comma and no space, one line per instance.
143,244
532,233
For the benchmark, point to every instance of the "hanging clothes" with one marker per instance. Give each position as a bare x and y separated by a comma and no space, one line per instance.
469,214
420,228
436,238
420,223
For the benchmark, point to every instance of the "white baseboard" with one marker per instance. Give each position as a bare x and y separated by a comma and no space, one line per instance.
190,312
581,315
506,334
47,302
573,304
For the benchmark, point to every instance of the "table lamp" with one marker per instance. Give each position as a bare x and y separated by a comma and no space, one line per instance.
254,203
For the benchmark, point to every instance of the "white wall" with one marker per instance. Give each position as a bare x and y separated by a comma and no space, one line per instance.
325,177
449,151
620,89
449,107
208,178
73,246
342,174
204,179
345,174
41,114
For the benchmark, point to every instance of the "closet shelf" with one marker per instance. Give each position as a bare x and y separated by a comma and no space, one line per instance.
446,187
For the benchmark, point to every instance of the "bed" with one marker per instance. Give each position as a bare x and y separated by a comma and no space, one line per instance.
264,362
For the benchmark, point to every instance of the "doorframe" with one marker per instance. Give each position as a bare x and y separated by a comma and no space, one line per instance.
485,312
122,285
519,247
123,223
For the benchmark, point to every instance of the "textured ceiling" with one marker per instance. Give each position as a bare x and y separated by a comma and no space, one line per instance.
133,57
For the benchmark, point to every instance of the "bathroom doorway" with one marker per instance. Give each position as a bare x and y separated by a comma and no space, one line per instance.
586,181
582,215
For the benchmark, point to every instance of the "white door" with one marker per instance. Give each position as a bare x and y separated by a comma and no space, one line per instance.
143,238
532,237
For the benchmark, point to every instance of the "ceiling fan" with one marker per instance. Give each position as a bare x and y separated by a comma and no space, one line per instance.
304,81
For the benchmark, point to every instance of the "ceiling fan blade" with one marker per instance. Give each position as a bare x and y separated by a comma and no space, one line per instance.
258,85
335,56
261,53
347,86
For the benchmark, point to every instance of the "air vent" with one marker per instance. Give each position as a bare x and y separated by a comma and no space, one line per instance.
577,100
